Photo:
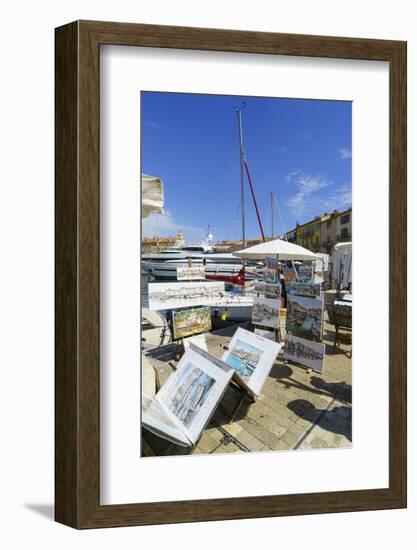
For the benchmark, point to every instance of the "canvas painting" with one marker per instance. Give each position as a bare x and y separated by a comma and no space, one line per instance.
305,352
305,317
176,295
343,312
190,394
289,275
191,273
265,312
268,290
191,321
244,358
251,356
271,271
270,276
305,274
311,290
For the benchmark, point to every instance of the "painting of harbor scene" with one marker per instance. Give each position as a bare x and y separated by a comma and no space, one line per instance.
244,358
189,394
176,295
305,352
268,290
191,321
311,290
265,312
271,271
305,274
304,317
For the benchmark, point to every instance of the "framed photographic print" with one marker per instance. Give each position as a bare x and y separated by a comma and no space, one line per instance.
176,150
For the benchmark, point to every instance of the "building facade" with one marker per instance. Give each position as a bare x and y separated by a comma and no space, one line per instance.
344,226
328,232
308,234
317,235
292,236
157,244
232,246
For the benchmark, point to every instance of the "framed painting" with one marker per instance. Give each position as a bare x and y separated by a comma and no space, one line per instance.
140,128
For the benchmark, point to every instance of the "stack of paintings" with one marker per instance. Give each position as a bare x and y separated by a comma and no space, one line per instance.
304,330
184,405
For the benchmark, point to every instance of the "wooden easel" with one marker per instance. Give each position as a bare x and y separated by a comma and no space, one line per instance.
245,394
343,322
180,349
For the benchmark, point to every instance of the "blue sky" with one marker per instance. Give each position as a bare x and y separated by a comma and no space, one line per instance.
299,149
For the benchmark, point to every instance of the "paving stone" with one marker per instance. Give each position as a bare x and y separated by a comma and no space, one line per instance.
251,442
207,444
318,443
233,429
298,430
281,445
277,430
289,438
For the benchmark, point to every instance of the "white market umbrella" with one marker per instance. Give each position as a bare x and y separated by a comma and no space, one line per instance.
152,195
282,250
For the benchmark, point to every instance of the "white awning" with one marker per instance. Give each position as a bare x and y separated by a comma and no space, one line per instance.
282,250
348,246
152,195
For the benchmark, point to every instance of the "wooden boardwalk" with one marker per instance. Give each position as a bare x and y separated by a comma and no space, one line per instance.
297,409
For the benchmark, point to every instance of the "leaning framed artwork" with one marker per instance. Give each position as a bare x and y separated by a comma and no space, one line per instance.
307,126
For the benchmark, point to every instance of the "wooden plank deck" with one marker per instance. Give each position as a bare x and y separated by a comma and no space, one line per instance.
297,409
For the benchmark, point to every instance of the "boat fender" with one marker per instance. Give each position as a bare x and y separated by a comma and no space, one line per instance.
224,315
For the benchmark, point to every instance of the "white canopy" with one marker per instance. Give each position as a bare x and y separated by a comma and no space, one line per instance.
152,195
282,250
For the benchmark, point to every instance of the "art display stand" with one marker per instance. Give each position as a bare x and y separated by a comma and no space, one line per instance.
343,329
179,352
304,367
282,321
306,292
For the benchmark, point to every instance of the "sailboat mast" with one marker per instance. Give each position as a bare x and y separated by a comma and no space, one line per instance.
272,214
239,119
